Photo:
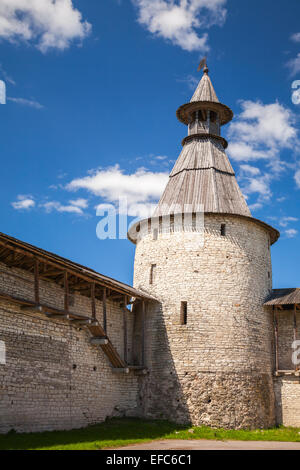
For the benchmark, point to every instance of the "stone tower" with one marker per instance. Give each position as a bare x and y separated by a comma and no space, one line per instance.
209,346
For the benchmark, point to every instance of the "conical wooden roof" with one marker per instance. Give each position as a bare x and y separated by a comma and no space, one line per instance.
204,176
205,91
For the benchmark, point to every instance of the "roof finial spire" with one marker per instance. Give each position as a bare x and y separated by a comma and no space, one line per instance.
203,65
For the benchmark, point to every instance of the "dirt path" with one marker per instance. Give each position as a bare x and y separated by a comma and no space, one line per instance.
213,445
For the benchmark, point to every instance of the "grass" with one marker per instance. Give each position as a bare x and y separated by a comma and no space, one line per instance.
122,432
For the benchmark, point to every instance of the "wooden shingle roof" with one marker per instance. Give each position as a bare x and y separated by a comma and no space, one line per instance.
284,297
204,176
17,253
205,91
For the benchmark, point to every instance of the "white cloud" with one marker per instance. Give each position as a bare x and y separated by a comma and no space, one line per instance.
73,207
179,20
140,210
295,37
259,186
190,80
256,206
250,170
261,131
6,76
49,24
297,178
81,203
25,102
285,221
23,203
161,157
294,65
112,183
243,152
291,233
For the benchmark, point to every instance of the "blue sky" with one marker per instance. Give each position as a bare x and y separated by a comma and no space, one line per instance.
92,91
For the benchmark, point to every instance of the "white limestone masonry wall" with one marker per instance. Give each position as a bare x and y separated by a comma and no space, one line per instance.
53,378
217,369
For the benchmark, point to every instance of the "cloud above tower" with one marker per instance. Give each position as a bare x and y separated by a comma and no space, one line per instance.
48,24
180,21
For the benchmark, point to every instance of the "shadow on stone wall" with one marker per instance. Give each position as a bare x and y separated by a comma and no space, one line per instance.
161,394
278,400
241,399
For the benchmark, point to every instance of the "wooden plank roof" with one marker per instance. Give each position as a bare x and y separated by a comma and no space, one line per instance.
205,91
284,297
26,254
204,176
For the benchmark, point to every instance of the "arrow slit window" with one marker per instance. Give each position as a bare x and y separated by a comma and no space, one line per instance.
152,273
183,313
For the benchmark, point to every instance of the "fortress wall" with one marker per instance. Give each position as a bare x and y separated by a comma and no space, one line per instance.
287,393
48,381
285,321
287,388
217,369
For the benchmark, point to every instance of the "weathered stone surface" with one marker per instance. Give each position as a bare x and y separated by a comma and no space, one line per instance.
287,392
218,368
53,377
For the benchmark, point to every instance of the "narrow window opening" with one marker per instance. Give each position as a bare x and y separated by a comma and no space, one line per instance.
202,115
152,273
223,230
194,117
213,116
269,275
183,313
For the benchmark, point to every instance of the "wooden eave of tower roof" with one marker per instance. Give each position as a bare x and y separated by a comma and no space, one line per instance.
185,111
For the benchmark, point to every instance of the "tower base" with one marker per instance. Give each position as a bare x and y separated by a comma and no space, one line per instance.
237,400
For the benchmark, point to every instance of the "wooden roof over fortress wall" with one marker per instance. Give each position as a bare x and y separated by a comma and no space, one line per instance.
18,254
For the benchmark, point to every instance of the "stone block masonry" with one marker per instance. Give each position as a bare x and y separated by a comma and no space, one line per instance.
53,378
217,369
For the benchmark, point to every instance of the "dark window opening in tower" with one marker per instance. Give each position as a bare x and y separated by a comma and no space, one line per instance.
194,117
202,115
223,230
213,116
152,273
183,313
